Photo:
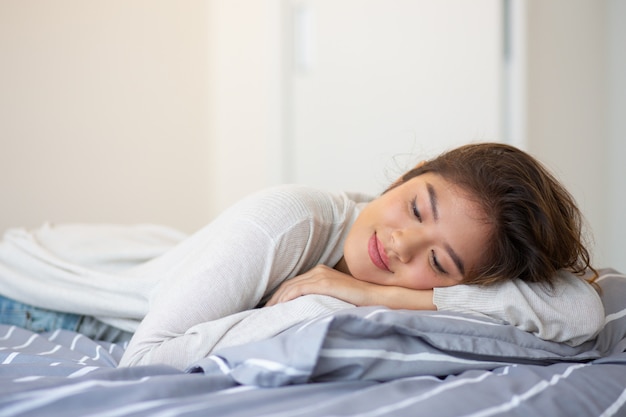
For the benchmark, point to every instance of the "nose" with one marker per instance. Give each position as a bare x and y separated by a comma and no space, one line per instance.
407,243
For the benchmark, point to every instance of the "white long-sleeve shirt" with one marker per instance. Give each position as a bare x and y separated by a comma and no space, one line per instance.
200,295
233,263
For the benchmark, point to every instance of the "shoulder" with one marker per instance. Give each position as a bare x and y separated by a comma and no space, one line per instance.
304,223
280,210
296,202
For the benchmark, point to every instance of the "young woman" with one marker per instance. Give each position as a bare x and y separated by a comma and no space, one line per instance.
483,228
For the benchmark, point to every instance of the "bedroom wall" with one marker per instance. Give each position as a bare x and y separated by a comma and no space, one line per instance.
400,82
568,96
563,113
245,50
104,112
616,125
575,94
167,112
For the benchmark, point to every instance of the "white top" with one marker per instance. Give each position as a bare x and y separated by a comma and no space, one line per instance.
200,294
231,264
571,312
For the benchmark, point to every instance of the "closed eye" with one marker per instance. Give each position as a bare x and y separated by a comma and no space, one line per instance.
433,257
416,211
435,262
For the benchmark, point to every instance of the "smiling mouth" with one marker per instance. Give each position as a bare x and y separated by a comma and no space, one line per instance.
377,253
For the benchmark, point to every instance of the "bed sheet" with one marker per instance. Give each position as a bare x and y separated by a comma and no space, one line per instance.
356,362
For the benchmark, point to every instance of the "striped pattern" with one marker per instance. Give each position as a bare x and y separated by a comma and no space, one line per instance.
366,362
19,346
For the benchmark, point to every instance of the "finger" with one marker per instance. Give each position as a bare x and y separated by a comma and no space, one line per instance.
280,296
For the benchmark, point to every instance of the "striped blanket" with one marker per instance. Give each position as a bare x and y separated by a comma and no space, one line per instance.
356,362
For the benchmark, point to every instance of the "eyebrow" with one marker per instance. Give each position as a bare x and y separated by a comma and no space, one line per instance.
456,259
433,200
432,194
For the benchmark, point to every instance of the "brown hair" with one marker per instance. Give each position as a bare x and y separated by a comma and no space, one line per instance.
537,227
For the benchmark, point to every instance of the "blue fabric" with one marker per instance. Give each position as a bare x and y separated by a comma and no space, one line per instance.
34,318
40,320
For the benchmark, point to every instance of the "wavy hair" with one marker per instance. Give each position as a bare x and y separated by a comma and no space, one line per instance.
537,228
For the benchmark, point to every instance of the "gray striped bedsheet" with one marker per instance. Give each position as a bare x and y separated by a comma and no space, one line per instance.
359,362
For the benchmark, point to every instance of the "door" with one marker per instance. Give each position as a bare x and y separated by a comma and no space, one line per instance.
374,86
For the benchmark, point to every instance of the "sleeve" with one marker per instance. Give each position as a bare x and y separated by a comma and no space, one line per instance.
221,270
572,312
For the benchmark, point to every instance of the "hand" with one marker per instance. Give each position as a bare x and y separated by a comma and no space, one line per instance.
325,281
328,281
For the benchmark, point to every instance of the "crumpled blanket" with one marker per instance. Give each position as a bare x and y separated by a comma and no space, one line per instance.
87,269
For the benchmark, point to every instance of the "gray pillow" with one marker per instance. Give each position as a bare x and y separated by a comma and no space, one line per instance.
373,343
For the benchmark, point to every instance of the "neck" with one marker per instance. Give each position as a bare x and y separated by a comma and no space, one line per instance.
342,266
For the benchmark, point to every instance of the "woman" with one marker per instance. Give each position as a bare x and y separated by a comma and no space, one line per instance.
483,228
519,222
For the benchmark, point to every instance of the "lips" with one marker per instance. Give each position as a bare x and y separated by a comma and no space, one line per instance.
377,253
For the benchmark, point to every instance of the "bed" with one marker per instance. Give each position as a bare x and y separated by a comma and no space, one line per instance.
365,361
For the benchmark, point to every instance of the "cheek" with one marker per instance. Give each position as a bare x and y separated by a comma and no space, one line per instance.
350,246
423,278
424,284
354,255
415,278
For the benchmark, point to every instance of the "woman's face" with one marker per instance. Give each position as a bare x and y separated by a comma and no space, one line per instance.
421,234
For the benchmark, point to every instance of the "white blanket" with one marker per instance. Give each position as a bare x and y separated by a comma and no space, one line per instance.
90,264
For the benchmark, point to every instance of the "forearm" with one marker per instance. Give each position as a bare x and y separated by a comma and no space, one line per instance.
180,330
182,350
327,281
571,312
402,298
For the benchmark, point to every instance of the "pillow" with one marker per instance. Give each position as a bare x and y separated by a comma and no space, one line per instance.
373,343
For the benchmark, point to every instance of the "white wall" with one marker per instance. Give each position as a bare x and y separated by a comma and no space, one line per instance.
569,95
167,112
573,53
371,93
615,247
246,98
254,102
104,112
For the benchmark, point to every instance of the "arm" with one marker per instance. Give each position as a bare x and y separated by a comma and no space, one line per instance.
203,280
328,281
570,313
229,267
223,269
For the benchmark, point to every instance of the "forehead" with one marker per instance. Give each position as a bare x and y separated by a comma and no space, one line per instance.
441,185
461,221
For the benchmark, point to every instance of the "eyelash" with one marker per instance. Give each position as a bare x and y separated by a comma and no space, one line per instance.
416,212
435,263
433,258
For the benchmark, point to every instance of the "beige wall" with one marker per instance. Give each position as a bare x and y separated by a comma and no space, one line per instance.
615,243
246,98
567,105
372,93
567,95
104,112
167,112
